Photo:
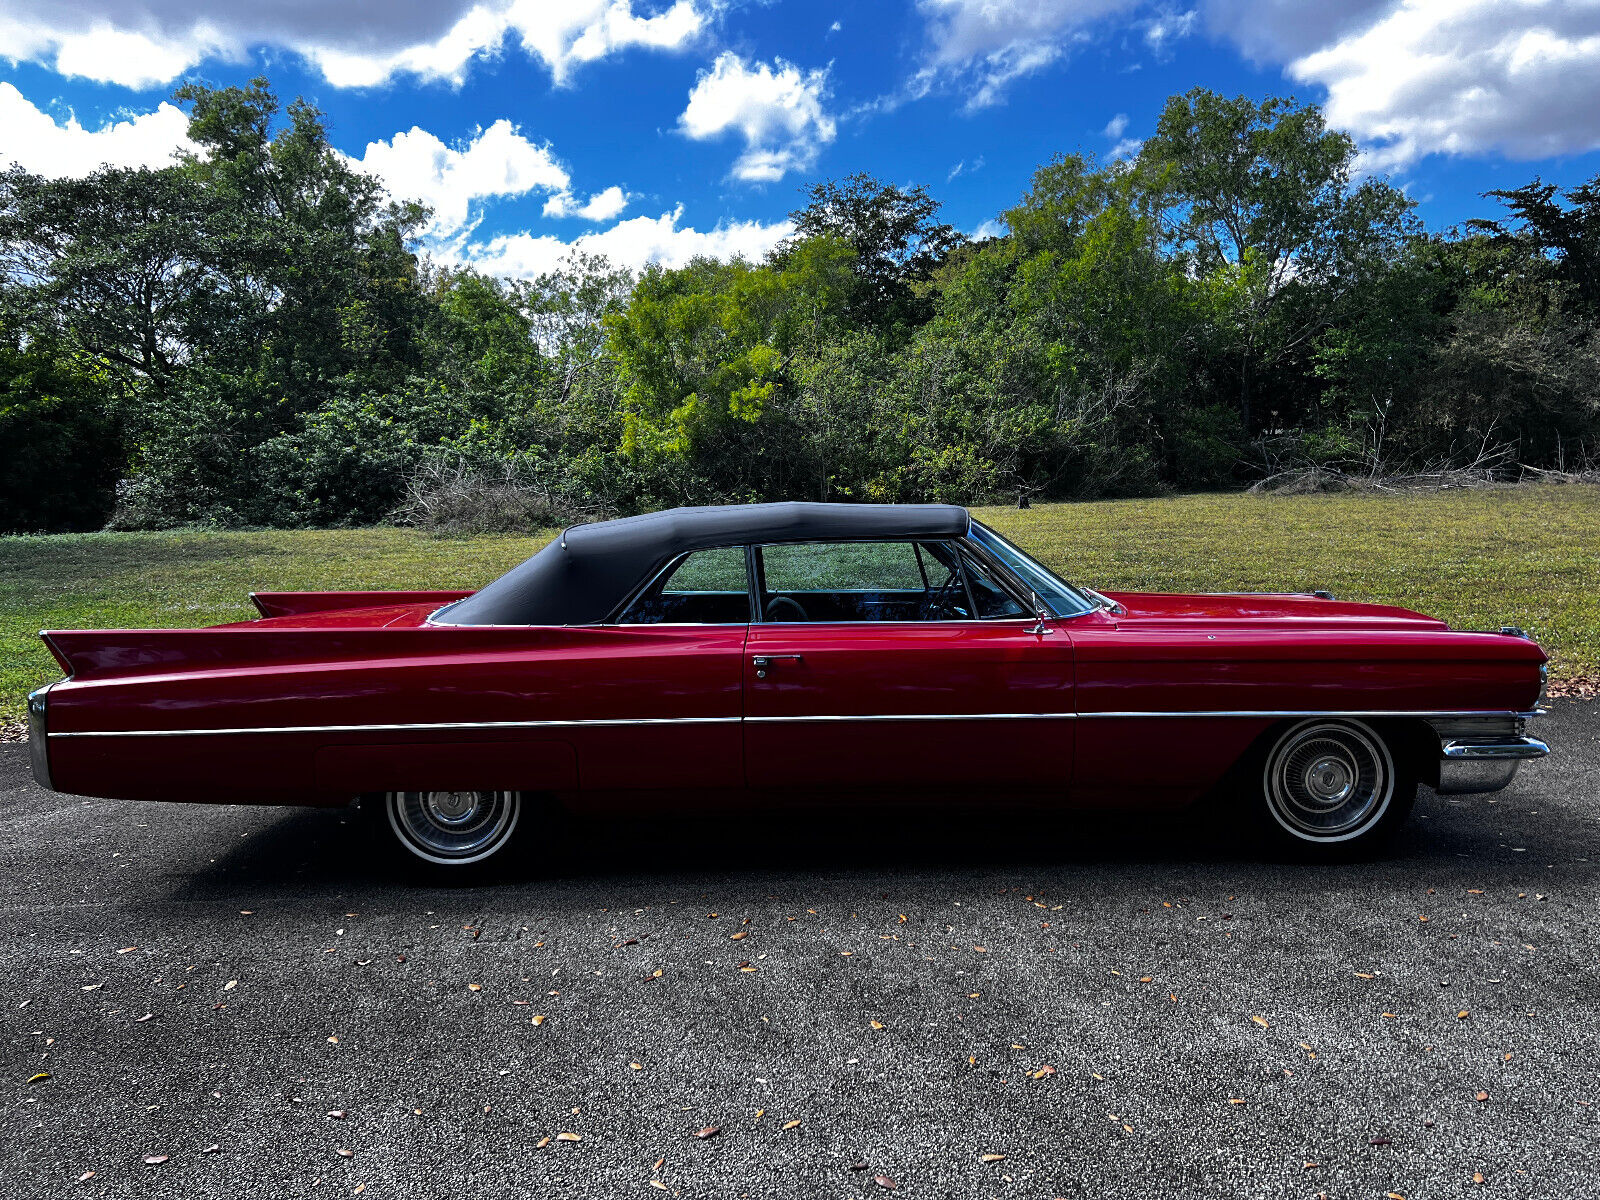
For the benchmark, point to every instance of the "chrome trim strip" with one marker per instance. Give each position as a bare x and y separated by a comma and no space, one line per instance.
599,722
604,722
1514,748
1055,716
1281,713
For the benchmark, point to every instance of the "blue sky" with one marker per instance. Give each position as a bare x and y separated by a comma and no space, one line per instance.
655,129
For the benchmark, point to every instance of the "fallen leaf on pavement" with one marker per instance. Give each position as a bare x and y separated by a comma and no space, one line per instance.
569,1137
791,1124
1483,1096
39,1076
1261,1021
991,1158
343,1153
877,1024
154,1159
709,1131
883,1181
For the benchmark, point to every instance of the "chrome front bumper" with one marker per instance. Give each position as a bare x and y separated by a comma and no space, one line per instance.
1479,764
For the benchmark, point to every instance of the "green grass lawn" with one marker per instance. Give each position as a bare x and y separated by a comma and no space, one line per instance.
1525,556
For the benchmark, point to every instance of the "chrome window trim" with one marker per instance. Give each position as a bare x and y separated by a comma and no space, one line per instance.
615,722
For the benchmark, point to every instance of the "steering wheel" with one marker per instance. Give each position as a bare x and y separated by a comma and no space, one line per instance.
941,606
790,601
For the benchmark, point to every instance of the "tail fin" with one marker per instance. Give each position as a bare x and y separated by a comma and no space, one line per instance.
293,604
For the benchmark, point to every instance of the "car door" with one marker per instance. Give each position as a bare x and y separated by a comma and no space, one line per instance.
903,682
658,694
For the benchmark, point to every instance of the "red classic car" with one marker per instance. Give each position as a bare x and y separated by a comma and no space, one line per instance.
788,654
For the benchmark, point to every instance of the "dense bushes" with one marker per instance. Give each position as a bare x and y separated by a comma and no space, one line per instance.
248,339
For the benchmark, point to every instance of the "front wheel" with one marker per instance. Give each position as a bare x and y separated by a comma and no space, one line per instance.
455,835
1332,788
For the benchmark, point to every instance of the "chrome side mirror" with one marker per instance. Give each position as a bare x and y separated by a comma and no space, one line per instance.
1040,629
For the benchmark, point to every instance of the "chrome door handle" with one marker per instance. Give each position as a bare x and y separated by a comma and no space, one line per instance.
763,661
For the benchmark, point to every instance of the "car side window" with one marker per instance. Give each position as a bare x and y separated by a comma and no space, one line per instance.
862,581
707,587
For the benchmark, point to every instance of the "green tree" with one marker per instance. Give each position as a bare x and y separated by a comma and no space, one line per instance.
896,241
1261,205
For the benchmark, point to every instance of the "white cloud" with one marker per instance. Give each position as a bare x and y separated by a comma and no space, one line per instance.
991,228
986,44
45,146
1514,77
1168,26
633,243
601,206
1123,147
144,43
779,112
1278,30
498,161
965,168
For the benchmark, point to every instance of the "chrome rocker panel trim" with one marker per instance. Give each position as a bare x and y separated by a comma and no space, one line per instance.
606,722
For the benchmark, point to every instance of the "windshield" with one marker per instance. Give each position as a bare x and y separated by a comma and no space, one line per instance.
1063,599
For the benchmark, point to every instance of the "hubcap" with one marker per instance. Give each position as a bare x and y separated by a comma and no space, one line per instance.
453,828
453,808
1329,781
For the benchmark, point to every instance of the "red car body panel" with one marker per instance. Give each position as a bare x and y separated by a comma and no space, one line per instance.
332,694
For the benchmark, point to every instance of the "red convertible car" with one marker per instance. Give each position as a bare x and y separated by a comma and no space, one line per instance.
788,654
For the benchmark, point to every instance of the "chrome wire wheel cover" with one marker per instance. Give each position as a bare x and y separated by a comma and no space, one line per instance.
1329,781
453,828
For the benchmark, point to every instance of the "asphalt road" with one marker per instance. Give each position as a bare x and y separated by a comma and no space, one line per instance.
1124,1011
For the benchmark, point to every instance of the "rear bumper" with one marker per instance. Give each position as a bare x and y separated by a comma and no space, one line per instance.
1484,764
38,739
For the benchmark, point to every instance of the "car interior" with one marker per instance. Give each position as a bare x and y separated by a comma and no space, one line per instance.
826,582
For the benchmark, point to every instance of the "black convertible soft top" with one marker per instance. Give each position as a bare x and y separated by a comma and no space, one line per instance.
582,576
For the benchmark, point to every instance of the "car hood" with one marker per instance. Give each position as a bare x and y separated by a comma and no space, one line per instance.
1257,608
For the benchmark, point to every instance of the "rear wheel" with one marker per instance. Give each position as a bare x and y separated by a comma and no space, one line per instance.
452,834
1333,787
